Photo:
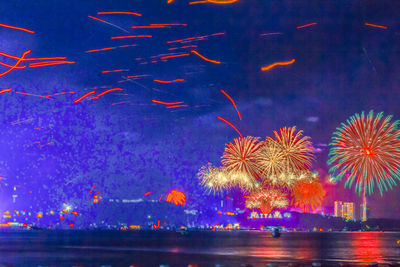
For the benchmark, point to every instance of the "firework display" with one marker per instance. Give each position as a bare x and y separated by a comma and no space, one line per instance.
242,155
266,200
269,170
297,150
366,150
307,195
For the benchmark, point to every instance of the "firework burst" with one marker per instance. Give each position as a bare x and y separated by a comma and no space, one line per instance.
307,194
242,156
288,179
366,150
271,160
298,151
219,179
266,200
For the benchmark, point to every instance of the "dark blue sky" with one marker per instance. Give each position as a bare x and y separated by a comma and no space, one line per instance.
342,67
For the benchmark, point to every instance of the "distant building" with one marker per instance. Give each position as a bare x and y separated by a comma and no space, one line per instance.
344,210
338,208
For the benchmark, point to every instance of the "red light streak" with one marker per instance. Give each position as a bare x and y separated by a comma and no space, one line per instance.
16,28
195,38
173,56
161,81
182,47
101,20
109,48
230,124
277,64
49,63
168,24
156,226
130,36
16,64
149,27
31,59
204,58
376,26
148,193
119,12
5,90
85,95
233,103
166,103
170,1
176,106
75,212
307,25
106,92
220,2
94,18
108,71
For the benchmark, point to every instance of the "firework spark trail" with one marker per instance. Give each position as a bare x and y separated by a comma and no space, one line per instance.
5,90
130,36
119,13
376,26
196,38
166,103
16,64
219,2
182,47
233,103
106,22
109,48
16,28
111,71
85,95
174,56
49,63
106,92
177,106
149,27
168,24
230,124
31,59
204,58
271,33
307,25
162,81
277,64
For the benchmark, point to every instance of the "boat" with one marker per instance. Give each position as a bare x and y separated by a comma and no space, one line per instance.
276,233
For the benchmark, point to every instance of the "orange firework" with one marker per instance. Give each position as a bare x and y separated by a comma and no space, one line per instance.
177,197
297,150
308,194
266,200
242,155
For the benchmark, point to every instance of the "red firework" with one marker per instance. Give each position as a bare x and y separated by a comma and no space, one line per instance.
242,155
307,195
266,200
367,150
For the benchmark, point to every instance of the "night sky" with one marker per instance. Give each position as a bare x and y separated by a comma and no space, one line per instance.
53,150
